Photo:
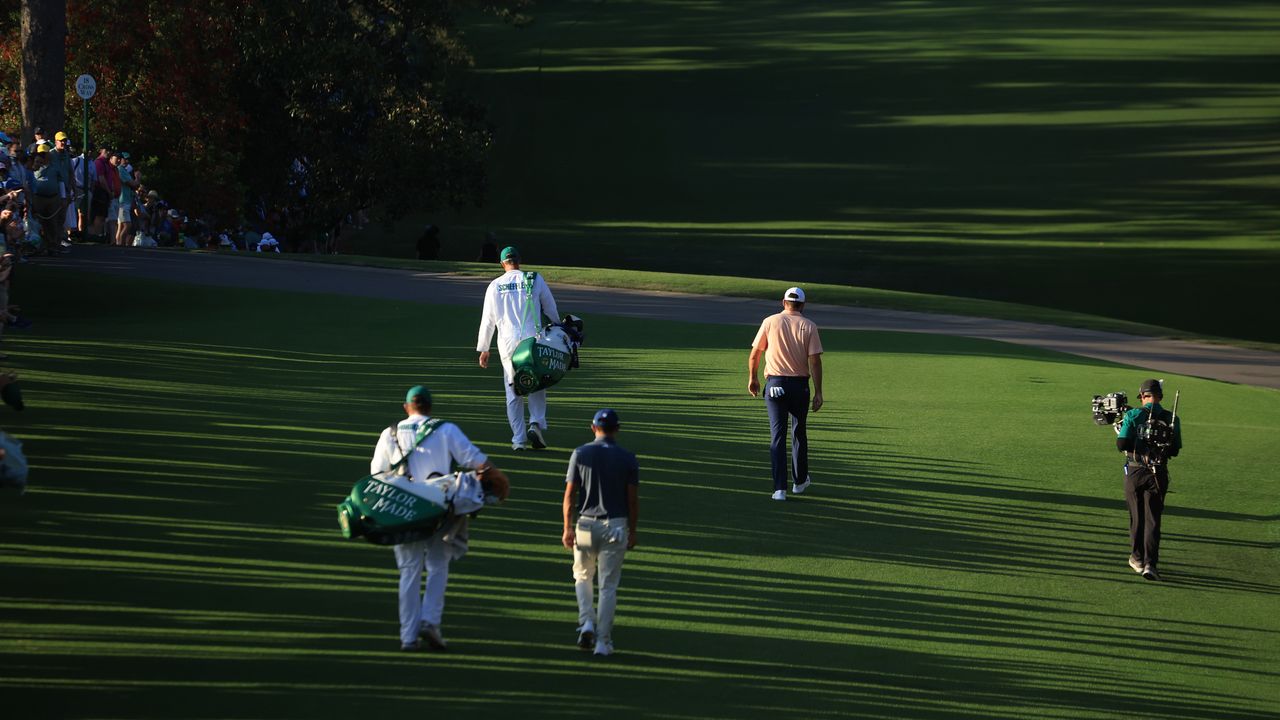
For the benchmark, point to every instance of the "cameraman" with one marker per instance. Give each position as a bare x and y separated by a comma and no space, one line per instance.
1148,436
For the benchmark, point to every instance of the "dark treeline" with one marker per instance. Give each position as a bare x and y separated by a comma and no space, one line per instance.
320,105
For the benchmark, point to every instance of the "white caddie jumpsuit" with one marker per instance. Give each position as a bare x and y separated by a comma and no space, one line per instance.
436,455
515,308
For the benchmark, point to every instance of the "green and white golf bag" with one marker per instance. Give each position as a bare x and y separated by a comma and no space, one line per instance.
391,508
543,360
391,511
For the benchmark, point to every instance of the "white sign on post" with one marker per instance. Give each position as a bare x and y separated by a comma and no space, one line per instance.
86,86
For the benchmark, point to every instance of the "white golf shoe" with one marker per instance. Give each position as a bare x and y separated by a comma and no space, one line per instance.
536,438
799,488
779,495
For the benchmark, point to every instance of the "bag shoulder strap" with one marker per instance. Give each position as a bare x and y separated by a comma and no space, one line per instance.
530,280
425,431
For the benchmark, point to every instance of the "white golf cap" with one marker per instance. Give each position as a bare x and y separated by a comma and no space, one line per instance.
794,294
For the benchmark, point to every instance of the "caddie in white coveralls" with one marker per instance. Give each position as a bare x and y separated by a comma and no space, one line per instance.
436,455
514,305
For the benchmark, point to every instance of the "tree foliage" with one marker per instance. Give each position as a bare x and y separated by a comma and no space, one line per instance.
224,97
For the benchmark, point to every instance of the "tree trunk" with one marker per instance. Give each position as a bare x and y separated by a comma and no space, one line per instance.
44,55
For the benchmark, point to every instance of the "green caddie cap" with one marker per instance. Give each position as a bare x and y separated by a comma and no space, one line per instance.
509,253
418,391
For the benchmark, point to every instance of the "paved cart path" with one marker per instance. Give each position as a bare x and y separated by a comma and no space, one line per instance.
1219,362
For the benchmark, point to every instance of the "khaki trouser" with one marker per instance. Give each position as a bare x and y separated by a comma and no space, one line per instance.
598,548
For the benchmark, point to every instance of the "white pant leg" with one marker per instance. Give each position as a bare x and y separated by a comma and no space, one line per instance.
515,406
538,408
584,570
410,558
438,555
586,610
609,560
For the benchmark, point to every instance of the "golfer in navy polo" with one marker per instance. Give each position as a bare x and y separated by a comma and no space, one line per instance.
605,477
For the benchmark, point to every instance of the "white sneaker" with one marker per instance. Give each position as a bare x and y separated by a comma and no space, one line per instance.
779,495
536,438
799,488
519,446
603,649
586,636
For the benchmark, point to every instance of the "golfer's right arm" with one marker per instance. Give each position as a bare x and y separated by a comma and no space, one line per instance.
571,482
753,371
488,325
569,536
381,461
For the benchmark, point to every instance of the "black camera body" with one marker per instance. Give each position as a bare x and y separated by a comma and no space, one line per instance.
1110,409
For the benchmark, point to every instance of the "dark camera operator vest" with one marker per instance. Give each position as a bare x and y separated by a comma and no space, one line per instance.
1155,439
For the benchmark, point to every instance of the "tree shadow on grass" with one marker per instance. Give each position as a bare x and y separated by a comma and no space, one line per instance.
181,546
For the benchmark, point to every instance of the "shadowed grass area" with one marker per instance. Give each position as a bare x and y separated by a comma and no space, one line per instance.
1040,153
961,553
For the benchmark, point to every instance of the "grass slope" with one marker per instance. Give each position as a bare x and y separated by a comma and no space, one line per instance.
961,553
765,289
1033,153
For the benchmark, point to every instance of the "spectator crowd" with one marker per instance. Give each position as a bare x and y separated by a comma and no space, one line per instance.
54,196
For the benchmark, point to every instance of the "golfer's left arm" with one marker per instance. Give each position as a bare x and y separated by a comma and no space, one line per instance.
633,514
465,454
546,301
815,372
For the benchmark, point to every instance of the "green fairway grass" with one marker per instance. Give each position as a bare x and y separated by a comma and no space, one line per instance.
1041,154
768,289
961,552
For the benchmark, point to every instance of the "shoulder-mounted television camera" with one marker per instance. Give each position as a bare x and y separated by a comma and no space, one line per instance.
1156,435
1110,409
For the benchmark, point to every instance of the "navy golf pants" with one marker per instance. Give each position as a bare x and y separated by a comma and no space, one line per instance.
787,397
